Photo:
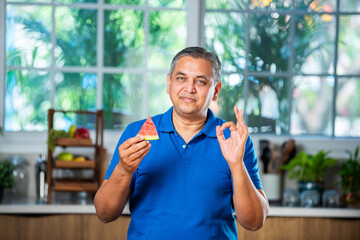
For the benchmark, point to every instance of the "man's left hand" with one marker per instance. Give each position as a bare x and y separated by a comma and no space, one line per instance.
233,148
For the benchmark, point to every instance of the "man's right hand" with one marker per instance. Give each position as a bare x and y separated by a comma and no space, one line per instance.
131,152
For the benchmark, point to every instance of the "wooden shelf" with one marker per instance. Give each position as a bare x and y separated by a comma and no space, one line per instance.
74,164
75,185
96,164
68,142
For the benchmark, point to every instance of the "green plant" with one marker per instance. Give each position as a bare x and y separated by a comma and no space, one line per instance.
53,135
307,167
7,178
350,174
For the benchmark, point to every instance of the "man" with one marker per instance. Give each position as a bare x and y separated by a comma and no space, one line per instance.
189,183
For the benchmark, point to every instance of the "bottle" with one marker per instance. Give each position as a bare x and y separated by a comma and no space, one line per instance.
20,187
41,183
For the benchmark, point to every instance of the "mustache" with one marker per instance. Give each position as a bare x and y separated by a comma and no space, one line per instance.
187,95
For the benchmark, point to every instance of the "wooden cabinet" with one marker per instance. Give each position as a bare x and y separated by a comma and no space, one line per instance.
88,226
95,164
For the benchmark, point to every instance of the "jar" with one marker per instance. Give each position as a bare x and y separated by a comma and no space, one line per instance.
21,176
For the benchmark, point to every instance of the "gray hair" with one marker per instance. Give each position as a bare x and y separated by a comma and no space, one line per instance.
199,52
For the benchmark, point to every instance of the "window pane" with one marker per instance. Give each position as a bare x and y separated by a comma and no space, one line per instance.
27,100
30,1
350,5
270,4
231,94
167,37
158,100
347,122
75,37
316,6
126,2
349,48
122,99
225,4
28,40
312,105
225,34
266,106
269,44
167,3
76,1
124,38
75,91
63,121
314,44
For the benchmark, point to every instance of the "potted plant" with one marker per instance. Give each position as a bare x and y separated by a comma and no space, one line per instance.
309,169
7,178
350,177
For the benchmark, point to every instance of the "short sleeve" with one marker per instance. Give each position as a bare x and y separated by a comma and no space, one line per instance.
251,163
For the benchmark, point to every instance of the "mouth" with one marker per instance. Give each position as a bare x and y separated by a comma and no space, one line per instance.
188,99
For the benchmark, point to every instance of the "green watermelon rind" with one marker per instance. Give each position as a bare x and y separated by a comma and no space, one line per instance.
148,138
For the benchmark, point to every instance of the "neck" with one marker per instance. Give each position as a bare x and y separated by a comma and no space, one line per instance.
188,127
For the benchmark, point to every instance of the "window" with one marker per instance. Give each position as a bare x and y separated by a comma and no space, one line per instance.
89,54
293,65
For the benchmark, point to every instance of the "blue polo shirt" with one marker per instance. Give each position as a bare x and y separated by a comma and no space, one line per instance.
183,190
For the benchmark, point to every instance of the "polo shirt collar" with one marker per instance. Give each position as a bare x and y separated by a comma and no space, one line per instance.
166,124
210,126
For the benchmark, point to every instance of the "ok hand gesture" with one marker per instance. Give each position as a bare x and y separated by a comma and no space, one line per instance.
233,148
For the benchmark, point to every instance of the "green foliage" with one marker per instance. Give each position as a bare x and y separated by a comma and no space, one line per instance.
350,173
7,178
307,167
270,46
53,135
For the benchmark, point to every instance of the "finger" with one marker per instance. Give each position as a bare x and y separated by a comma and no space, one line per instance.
124,153
138,146
131,141
138,155
229,125
239,115
219,134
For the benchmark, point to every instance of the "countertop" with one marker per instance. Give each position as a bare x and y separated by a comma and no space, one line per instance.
84,205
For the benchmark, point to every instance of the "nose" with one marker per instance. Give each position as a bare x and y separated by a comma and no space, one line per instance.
190,86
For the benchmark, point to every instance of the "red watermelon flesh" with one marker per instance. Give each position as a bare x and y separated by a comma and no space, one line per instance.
148,130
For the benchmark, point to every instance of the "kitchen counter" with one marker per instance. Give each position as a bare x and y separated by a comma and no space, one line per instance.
63,204
85,206
75,218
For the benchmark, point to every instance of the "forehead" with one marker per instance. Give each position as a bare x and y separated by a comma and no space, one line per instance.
190,65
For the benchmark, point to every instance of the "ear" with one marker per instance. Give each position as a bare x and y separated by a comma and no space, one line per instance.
217,91
168,83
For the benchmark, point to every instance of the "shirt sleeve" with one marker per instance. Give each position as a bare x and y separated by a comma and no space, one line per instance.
251,163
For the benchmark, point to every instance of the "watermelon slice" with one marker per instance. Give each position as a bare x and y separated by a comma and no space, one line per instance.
148,130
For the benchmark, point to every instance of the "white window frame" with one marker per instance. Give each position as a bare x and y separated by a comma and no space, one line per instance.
35,142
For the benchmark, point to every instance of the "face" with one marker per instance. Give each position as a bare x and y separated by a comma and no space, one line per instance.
191,87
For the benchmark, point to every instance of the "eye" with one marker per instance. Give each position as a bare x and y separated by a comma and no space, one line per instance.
201,82
180,78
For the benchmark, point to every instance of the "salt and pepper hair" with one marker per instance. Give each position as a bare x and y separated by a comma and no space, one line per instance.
199,52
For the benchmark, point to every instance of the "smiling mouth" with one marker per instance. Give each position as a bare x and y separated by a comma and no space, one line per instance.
187,99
